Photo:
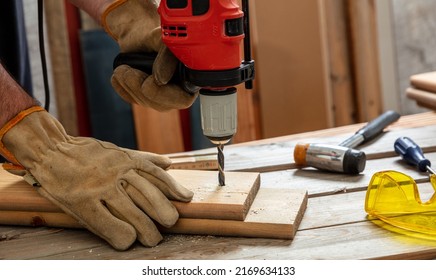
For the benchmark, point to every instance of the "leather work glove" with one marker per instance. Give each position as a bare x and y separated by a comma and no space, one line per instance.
135,25
113,192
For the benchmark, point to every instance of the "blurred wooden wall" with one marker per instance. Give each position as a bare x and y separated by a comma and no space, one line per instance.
316,67
317,64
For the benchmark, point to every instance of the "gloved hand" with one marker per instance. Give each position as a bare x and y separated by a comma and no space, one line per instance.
135,25
113,192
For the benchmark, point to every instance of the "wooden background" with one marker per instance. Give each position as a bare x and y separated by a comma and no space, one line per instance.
317,64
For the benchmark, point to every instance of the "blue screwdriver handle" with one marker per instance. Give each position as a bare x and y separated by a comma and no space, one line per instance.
411,153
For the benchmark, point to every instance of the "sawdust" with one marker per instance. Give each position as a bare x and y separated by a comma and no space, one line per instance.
187,239
257,211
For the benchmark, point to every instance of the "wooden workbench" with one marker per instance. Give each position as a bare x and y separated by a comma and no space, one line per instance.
334,225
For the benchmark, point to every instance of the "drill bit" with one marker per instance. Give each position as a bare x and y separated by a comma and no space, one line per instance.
221,177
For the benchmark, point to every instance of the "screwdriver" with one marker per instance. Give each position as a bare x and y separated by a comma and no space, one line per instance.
411,153
371,130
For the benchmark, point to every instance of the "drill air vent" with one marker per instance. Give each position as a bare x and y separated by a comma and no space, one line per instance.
174,31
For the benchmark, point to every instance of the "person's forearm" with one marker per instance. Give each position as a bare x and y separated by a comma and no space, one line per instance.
94,8
13,99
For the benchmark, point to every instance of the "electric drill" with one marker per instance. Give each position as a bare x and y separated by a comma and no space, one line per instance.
206,36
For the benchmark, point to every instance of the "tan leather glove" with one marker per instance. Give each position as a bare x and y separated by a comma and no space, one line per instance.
135,25
113,192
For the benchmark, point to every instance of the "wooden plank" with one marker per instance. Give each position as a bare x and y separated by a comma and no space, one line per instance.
277,156
424,81
210,200
274,214
249,119
292,71
248,116
277,153
339,49
249,125
423,98
61,64
195,162
229,202
327,221
362,240
333,227
365,59
406,121
38,219
157,132
321,183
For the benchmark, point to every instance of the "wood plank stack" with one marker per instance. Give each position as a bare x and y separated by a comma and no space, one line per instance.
237,209
423,89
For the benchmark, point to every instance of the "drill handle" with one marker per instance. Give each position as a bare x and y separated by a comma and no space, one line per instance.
140,61
144,62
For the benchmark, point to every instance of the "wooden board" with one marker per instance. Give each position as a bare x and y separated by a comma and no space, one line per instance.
277,154
293,71
60,55
229,202
157,132
275,213
208,161
210,201
340,64
367,85
320,183
424,81
423,98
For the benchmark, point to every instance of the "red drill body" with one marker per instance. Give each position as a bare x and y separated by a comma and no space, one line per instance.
203,35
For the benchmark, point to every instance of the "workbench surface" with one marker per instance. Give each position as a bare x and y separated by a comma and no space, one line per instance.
334,225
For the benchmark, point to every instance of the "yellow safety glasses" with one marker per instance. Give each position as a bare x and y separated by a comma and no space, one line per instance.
393,197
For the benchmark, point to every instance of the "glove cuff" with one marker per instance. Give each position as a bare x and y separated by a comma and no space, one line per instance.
8,126
104,17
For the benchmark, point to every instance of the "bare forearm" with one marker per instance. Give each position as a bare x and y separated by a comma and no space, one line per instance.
13,99
94,8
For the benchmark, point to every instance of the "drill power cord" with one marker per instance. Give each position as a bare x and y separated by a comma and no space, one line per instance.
42,53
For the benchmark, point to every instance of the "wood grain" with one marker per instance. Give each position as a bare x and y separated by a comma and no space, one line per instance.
423,98
157,132
424,81
210,200
292,72
195,162
279,155
60,55
320,183
274,214
334,225
339,49
365,59
276,154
